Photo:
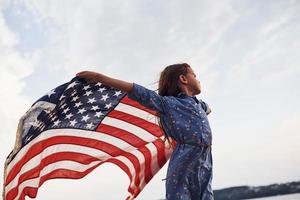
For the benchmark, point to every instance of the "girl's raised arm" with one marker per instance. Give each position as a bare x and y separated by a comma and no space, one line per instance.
144,96
91,77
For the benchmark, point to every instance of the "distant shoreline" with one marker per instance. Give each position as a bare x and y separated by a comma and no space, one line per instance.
279,197
248,192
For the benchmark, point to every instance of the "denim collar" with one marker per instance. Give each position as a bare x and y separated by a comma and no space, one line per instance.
184,96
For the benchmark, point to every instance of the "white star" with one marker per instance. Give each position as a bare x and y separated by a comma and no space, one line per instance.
34,123
95,108
63,106
56,122
82,110
98,114
101,89
90,125
78,104
104,97
75,98
41,126
88,93
117,93
73,93
66,110
72,85
91,100
73,122
50,93
85,118
86,87
53,118
62,96
108,105
98,84
28,138
69,116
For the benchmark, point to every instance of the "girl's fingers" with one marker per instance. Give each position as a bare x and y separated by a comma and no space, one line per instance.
89,76
81,73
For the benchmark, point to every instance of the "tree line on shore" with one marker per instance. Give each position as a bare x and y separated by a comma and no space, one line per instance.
248,192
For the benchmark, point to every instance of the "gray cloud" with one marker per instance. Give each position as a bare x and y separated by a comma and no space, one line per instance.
245,54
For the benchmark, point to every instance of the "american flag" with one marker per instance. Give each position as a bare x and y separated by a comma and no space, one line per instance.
75,128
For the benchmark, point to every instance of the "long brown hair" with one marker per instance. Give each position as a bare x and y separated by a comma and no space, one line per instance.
168,86
169,77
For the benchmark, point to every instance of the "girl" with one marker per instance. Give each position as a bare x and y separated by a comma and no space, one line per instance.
183,118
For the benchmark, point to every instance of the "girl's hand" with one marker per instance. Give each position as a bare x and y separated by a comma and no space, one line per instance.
93,77
89,76
208,111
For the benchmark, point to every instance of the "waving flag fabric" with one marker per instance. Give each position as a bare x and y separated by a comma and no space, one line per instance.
75,128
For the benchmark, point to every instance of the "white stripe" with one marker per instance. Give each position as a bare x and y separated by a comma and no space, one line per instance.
75,166
71,132
129,164
141,159
73,148
137,112
57,132
35,161
139,132
154,161
135,130
69,165
110,121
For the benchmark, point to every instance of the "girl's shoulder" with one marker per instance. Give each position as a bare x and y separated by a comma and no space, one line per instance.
175,101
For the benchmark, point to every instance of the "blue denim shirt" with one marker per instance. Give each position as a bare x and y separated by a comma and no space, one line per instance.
184,119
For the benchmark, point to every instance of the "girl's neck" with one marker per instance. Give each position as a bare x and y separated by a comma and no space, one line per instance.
186,91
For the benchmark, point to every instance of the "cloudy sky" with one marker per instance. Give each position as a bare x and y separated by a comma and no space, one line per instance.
245,53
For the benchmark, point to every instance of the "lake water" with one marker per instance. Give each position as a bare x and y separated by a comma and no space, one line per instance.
282,197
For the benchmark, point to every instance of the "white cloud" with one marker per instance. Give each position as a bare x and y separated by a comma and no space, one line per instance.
14,66
245,55
268,57
127,37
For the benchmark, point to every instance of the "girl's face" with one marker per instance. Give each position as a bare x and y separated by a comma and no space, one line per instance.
193,83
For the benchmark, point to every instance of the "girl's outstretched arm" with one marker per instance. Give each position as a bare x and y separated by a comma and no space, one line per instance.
91,77
144,96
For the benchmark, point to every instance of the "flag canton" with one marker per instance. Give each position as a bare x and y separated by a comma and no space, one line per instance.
75,105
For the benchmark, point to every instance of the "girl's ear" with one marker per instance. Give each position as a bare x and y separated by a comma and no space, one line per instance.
182,79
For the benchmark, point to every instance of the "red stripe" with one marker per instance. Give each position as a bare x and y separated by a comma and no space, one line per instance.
103,146
70,174
154,129
62,173
40,146
121,134
58,173
130,102
55,157
125,168
139,143
144,150
160,146
29,191
148,160
111,150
